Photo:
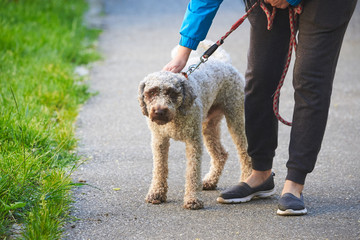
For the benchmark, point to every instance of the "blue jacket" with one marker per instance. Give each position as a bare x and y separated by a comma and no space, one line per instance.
198,19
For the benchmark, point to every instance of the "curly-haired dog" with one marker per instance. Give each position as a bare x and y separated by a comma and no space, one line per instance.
190,110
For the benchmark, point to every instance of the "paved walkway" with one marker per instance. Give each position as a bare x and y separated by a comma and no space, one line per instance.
114,138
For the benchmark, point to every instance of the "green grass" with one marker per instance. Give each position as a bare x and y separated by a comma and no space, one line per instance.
41,42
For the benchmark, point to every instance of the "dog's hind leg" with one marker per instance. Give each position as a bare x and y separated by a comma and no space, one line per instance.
236,125
158,189
211,133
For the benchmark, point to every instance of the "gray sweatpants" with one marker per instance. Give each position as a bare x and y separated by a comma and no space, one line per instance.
322,26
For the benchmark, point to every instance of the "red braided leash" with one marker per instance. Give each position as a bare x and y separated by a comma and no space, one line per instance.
237,24
293,14
213,48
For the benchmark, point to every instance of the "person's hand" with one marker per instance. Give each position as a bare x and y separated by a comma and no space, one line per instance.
178,63
278,3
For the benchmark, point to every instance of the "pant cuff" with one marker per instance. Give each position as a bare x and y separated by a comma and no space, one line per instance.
261,164
296,176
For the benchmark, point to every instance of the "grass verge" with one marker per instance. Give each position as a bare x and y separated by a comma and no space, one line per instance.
41,43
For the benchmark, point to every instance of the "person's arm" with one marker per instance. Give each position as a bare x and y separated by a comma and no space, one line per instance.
197,21
196,24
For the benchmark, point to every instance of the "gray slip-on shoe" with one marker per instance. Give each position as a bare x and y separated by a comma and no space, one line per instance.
243,192
290,205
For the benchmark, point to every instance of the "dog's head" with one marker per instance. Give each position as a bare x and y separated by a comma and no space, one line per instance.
163,94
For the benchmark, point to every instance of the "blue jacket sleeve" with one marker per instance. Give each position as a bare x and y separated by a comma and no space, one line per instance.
294,2
197,21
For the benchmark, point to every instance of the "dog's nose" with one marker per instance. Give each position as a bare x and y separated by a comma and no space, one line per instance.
160,112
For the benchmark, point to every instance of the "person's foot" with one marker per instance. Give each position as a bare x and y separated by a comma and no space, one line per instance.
291,202
243,192
292,187
290,205
257,178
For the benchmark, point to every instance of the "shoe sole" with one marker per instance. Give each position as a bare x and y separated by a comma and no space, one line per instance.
291,212
261,194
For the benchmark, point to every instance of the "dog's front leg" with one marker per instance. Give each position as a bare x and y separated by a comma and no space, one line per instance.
158,189
193,183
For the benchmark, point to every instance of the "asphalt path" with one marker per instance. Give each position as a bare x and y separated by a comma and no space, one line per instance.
115,142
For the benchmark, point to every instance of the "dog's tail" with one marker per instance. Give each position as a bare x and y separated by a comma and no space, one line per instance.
219,54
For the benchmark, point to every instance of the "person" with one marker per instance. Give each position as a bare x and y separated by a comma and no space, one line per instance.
321,28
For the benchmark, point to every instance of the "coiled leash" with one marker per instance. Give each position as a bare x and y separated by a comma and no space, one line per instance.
293,14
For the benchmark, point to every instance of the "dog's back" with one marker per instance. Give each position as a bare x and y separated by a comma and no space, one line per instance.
217,80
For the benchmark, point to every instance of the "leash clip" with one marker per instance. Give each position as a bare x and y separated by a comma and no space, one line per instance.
193,67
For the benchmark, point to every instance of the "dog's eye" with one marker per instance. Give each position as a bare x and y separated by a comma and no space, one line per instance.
171,93
152,93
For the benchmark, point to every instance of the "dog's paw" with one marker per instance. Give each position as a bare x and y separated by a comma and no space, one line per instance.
155,197
193,204
208,185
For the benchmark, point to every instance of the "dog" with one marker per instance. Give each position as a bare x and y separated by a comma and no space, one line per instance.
191,110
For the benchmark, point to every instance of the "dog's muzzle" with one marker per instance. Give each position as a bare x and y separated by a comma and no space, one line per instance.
160,115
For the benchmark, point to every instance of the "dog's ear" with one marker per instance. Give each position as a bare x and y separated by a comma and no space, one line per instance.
141,99
188,96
